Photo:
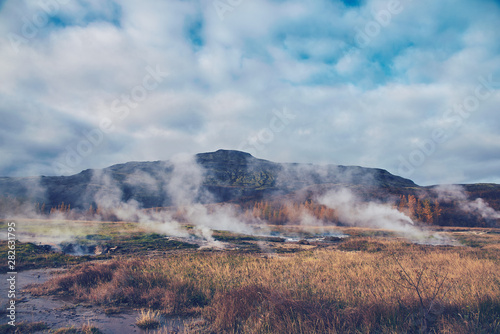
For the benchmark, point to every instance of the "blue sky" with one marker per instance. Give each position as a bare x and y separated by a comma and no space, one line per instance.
408,86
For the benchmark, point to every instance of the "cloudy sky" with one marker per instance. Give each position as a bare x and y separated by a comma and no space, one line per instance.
409,86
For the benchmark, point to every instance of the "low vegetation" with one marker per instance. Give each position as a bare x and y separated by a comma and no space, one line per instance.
31,256
84,329
24,327
366,286
149,319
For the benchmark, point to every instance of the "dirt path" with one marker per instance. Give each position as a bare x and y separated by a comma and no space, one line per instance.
57,313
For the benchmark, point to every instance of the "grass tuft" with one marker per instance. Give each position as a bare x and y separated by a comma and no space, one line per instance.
149,319
24,327
87,328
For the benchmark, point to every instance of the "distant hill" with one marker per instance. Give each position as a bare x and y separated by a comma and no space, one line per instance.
229,176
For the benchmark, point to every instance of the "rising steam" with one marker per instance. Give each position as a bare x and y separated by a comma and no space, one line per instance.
355,212
457,194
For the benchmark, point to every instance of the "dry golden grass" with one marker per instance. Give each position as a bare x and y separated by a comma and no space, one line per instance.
370,287
87,328
149,319
24,327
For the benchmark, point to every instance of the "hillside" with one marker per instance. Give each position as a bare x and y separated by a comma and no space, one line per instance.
227,176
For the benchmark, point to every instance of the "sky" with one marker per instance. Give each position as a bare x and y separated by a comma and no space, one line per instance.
408,86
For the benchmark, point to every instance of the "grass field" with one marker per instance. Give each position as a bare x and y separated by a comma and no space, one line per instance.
369,282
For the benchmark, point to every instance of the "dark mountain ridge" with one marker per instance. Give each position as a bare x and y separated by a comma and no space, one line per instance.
228,176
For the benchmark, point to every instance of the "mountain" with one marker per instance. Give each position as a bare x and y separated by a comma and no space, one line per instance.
228,176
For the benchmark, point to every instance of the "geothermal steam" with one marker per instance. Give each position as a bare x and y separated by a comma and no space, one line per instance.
355,212
457,194
184,189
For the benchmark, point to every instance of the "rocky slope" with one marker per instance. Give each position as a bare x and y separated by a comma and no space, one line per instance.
228,176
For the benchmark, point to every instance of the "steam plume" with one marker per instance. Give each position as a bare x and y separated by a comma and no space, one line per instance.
457,194
354,212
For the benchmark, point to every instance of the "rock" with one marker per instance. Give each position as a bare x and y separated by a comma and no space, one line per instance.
100,249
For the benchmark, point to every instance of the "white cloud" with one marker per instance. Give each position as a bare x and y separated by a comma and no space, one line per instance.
364,109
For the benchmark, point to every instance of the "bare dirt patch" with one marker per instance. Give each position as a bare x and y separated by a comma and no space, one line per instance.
58,312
